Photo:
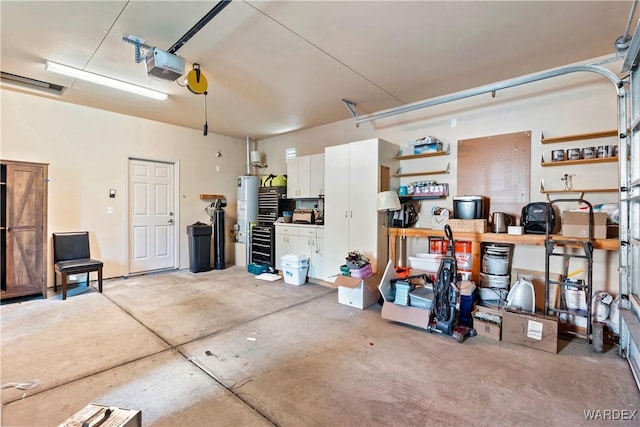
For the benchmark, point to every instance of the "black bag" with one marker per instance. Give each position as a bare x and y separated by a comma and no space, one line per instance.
533,219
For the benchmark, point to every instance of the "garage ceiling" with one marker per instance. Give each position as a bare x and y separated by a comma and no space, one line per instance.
278,66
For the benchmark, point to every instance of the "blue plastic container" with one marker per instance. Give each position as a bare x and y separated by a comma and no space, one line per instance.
257,268
466,307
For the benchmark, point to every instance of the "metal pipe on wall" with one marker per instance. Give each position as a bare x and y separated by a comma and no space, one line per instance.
249,168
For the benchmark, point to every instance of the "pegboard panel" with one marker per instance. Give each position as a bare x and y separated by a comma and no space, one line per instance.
497,167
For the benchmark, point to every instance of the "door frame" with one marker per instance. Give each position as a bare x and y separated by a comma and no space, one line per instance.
176,210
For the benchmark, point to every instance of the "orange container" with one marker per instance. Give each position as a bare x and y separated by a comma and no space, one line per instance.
463,255
437,245
402,272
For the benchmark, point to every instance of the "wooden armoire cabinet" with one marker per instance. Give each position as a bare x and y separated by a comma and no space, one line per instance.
23,228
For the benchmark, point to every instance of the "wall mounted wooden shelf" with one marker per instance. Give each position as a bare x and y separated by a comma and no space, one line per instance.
579,162
579,191
423,155
579,137
586,190
399,174
421,197
211,196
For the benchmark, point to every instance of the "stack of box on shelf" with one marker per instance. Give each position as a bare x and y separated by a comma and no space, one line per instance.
428,144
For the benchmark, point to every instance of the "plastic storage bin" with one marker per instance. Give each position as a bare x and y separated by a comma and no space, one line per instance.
361,273
425,262
257,268
295,268
421,298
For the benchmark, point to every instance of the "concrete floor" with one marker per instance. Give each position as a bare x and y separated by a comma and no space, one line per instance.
222,348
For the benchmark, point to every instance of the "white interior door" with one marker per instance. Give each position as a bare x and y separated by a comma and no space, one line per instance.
151,216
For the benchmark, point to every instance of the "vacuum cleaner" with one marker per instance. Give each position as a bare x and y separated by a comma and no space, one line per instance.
446,302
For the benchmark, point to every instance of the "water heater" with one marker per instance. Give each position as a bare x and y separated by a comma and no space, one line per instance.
247,206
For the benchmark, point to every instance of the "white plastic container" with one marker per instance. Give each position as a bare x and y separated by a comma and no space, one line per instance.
295,260
295,268
522,296
425,262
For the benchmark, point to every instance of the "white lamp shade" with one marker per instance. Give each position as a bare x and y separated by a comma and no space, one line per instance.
388,201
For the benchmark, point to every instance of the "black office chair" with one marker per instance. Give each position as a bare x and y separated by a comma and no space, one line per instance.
71,256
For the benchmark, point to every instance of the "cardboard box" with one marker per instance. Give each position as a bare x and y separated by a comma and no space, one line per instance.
427,148
359,293
530,330
486,328
516,230
406,314
399,313
468,225
576,224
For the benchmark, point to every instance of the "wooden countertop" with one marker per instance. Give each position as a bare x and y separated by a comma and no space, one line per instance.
524,239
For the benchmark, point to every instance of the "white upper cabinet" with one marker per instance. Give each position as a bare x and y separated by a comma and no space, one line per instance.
305,177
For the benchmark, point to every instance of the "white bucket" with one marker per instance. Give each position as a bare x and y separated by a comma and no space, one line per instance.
493,281
495,259
492,294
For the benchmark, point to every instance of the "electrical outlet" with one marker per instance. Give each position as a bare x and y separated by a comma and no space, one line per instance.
217,168
109,210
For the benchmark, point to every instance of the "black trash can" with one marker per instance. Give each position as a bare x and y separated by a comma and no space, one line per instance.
199,247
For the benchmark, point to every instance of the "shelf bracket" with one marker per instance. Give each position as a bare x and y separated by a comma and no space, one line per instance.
351,107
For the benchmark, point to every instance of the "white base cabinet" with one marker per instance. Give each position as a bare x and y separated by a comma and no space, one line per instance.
286,242
311,243
301,240
354,174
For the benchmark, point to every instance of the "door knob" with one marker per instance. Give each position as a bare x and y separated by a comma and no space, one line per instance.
170,221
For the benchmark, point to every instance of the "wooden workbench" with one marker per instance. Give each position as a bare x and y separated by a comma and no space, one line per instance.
477,238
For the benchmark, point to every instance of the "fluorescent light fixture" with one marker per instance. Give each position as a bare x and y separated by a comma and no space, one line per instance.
104,81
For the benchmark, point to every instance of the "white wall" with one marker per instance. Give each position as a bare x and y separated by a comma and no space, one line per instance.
88,150
572,104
